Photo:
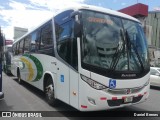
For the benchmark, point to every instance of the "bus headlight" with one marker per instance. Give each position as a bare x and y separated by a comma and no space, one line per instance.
93,83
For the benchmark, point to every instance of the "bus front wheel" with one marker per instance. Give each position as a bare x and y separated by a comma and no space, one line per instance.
49,92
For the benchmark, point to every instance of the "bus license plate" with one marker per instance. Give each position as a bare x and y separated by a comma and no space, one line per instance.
128,99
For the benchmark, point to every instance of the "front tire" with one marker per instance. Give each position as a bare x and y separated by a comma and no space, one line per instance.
50,93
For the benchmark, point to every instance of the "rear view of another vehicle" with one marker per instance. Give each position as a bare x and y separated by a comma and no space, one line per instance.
155,76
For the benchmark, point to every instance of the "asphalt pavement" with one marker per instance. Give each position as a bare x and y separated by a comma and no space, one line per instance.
27,98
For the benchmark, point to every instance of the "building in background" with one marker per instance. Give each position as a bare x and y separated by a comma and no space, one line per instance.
19,32
151,24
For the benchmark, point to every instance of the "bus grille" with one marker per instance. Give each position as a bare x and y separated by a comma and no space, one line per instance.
124,91
118,102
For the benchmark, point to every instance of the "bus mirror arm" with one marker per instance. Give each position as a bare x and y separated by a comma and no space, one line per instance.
76,15
77,29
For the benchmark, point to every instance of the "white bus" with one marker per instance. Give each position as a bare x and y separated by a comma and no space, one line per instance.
88,57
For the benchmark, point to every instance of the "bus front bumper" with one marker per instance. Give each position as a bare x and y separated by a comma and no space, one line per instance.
95,100
1,95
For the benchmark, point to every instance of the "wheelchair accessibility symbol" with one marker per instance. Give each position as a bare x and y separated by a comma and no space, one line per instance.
112,83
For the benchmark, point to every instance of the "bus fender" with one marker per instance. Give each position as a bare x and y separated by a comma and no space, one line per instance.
49,74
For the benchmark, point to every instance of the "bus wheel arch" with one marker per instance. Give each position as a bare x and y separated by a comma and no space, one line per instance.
49,89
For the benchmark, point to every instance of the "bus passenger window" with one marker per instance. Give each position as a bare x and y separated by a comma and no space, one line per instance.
46,43
17,48
35,39
46,36
26,44
14,49
21,50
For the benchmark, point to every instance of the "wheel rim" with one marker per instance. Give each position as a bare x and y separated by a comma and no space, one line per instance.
50,91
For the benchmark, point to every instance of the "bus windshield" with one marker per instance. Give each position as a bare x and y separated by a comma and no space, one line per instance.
113,43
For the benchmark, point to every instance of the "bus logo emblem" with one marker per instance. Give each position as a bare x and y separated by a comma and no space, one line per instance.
112,83
128,91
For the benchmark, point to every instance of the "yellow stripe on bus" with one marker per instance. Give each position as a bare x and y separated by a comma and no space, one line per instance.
30,68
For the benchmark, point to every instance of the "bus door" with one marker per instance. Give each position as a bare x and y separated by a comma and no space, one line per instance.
67,75
63,49
67,72
62,87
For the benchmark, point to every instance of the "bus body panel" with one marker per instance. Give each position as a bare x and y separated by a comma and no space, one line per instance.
62,82
121,83
74,88
101,98
31,70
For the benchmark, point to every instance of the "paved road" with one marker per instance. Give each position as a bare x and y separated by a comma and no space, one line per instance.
26,98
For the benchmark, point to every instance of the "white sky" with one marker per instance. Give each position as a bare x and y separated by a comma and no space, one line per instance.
30,15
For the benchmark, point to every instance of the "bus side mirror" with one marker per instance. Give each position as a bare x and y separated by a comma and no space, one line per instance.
77,29
77,24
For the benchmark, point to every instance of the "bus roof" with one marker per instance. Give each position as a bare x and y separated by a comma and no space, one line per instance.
103,10
87,7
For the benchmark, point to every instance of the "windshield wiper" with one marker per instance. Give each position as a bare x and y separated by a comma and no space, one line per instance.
118,53
129,44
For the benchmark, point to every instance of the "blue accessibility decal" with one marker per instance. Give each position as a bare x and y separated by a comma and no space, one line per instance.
112,83
62,78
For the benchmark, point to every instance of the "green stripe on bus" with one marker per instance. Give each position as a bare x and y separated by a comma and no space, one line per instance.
38,66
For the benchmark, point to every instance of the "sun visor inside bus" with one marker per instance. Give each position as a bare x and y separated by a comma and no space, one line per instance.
63,17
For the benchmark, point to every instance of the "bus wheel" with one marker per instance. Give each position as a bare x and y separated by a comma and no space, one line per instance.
19,77
49,92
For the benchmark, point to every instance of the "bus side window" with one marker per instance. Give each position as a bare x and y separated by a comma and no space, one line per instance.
26,44
14,49
35,39
17,48
46,43
21,45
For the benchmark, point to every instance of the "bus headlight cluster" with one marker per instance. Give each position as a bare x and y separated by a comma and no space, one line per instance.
93,83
